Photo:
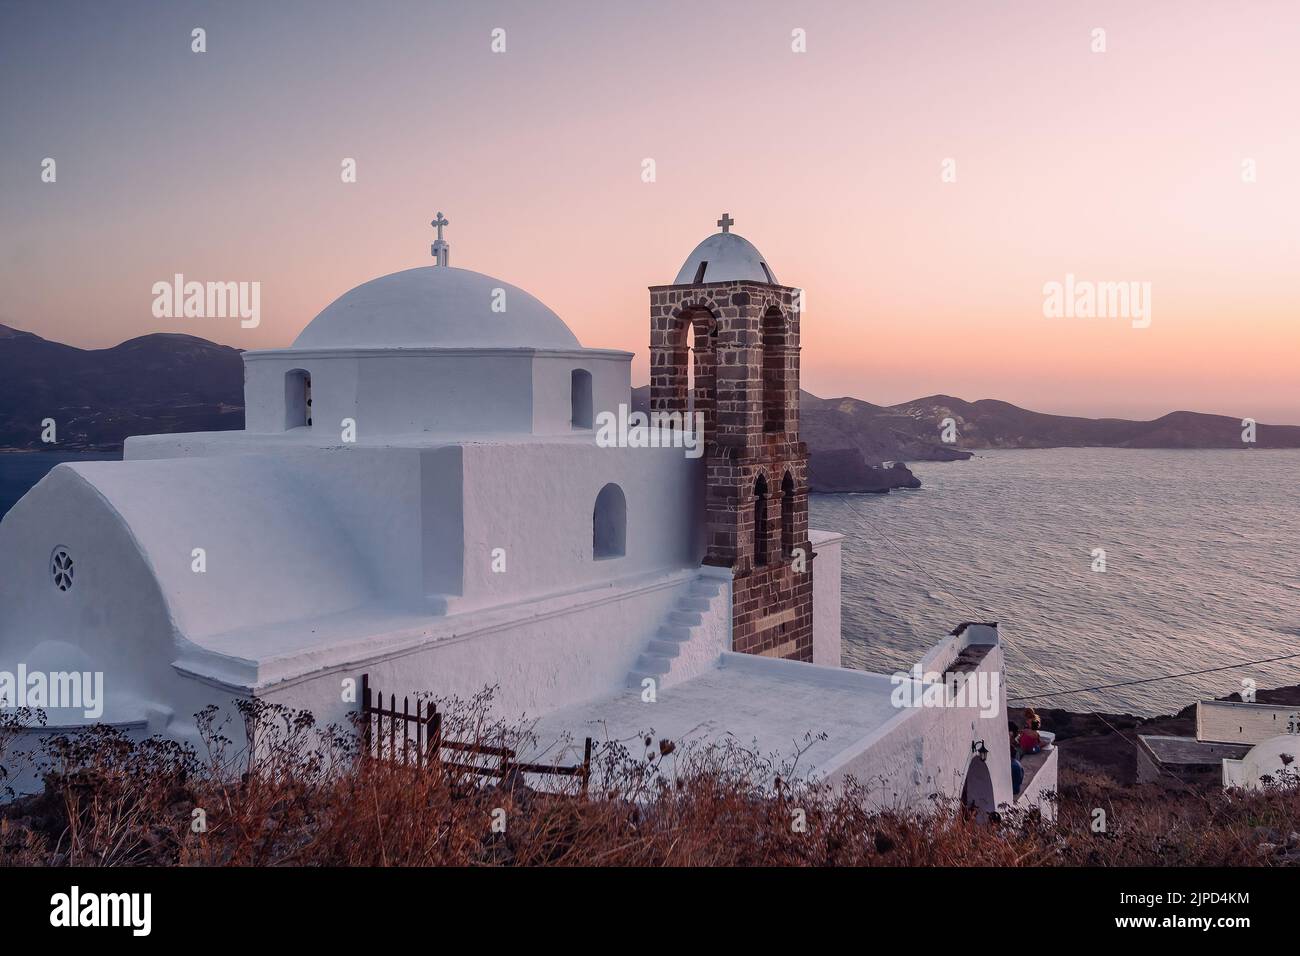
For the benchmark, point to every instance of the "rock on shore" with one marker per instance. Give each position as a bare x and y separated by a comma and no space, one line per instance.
844,470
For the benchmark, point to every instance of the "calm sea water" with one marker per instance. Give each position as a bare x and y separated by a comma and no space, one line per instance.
20,470
1202,568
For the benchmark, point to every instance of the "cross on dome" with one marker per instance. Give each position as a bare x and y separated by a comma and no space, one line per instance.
726,222
441,249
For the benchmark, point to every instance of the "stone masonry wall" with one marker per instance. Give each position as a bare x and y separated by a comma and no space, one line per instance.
744,340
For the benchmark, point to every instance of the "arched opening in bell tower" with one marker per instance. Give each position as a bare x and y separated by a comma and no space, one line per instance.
695,365
760,521
774,371
787,515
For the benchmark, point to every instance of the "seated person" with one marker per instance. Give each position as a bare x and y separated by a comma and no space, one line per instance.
1017,771
1029,741
1035,723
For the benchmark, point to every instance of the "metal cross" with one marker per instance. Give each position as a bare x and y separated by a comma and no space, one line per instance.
726,222
440,222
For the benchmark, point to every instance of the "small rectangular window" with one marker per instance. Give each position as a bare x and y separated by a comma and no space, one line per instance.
699,273
580,398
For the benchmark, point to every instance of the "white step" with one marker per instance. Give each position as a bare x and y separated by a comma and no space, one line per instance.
654,664
681,625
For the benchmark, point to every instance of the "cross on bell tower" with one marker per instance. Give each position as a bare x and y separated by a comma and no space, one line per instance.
440,249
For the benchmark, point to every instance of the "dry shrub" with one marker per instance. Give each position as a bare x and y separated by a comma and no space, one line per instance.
292,793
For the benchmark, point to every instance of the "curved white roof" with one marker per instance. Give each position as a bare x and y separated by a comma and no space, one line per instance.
436,307
286,555
1275,757
726,257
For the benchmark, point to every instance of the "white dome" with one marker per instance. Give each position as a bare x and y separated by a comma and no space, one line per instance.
1275,757
436,307
726,257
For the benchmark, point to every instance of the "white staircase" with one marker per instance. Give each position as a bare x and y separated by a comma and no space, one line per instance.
695,632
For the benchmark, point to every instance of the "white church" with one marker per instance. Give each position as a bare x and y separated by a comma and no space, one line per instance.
421,493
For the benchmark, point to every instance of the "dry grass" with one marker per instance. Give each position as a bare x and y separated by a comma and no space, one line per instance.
309,800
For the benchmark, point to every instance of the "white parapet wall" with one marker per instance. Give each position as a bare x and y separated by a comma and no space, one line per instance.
828,547
1039,790
931,748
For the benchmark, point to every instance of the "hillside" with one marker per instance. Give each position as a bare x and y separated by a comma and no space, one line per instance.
880,433
97,397
848,445
839,429
994,424
167,383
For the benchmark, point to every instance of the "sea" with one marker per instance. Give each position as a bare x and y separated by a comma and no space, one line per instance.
1200,549
1201,565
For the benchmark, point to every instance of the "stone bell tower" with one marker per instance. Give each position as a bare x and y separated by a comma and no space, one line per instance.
739,329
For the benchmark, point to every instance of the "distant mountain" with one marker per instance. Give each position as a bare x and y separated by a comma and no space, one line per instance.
97,397
169,383
849,444
993,424
881,434
912,431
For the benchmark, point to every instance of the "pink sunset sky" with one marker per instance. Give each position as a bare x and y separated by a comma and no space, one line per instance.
1122,166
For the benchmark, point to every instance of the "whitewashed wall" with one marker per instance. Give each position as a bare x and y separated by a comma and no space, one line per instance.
573,649
446,391
113,619
927,750
1040,792
536,500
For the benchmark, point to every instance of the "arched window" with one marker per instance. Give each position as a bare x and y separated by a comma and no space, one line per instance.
787,515
774,371
609,524
977,790
297,398
760,520
700,373
580,398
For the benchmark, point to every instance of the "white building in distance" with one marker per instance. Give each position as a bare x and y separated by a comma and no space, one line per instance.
1252,745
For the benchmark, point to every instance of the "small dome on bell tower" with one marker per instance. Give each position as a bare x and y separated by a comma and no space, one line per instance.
725,257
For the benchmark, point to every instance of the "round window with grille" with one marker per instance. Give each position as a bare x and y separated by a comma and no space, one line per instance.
61,568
